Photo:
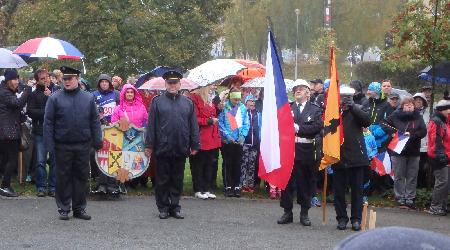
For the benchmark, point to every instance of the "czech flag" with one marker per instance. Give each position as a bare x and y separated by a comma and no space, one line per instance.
398,142
277,130
234,117
381,164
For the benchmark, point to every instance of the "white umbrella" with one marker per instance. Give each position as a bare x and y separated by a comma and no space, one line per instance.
402,93
9,60
257,82
214,71
289,84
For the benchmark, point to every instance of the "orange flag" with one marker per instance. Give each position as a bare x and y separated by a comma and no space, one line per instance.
333,130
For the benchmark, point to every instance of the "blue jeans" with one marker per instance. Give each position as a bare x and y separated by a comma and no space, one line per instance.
41,173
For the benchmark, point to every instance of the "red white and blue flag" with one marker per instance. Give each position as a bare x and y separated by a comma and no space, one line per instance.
381,164
398,142
277,130
234,117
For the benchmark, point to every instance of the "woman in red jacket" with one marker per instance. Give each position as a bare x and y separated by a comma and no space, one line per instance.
202,162
439,155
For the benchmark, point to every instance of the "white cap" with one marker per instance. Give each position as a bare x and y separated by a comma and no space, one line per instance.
346,90
300,82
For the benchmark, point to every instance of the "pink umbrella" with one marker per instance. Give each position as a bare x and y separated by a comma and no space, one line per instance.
159,83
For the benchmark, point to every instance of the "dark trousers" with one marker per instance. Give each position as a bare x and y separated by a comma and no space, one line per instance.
72,174
202,170
302,179
232,154
10,153
424,179
215,168
169,182
354,176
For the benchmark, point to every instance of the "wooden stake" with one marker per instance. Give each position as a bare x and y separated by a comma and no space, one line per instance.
324,198
372,219
20,168
364,217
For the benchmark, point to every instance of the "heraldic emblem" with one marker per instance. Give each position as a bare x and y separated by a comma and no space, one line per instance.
122,155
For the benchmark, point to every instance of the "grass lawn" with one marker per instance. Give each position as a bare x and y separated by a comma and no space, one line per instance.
386,200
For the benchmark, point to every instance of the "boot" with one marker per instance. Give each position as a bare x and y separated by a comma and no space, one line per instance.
304,219
286,218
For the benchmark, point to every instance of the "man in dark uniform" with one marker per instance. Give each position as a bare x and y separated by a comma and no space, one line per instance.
172,134
308,124
350,168
317,92
71,127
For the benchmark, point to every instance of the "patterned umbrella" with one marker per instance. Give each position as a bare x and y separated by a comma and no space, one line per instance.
159,83
214,71
48,47
9,60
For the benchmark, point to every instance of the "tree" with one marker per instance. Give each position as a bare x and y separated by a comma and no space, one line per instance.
419,36
325,38
126,37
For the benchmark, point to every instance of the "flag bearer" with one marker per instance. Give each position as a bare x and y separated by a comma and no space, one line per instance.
308,124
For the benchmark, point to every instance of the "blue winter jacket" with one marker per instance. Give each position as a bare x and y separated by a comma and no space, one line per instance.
371,145
227,133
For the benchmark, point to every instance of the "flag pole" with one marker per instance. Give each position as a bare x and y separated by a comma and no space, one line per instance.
324,197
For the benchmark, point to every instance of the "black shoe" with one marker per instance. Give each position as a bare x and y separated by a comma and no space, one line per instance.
304,220
356,226
228,192
342,225
8,192
177,215
163,215
51,193
237,192
64,216
286,218
101,189
40,194
82,215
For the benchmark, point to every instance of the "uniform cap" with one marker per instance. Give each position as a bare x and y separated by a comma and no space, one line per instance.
69,72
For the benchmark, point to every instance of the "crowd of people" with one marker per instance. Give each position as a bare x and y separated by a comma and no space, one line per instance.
65,117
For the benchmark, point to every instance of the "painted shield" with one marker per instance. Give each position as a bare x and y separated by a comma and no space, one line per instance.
123,151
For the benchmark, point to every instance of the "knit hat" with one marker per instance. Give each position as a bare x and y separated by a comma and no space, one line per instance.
249,97
11,74
375,87
443,105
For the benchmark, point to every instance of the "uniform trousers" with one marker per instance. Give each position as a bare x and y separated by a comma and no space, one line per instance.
302,179
169,182
72,174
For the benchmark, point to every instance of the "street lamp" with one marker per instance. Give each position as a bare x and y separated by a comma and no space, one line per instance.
297,12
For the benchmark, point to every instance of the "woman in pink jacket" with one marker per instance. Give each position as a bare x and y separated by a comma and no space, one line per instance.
131,107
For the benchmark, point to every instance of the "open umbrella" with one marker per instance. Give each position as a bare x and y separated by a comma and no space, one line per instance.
257,82
9,60
214,71
159,83
442,73
48,47
157,72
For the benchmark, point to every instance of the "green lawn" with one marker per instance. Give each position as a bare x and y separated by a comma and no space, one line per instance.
385,200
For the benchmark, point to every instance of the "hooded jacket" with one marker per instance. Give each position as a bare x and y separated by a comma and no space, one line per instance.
410,122
209,132
230,116
134,111
439,141
425,112
106,99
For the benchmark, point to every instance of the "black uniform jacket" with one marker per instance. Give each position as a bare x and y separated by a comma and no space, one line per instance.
71,117
172,126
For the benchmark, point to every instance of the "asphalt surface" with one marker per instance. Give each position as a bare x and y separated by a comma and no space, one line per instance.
133,223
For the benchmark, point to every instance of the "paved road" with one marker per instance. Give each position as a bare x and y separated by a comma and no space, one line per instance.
132,223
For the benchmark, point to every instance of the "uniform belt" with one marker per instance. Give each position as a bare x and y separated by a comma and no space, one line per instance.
303,140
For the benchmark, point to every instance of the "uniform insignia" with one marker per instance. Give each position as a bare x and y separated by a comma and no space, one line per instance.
309,118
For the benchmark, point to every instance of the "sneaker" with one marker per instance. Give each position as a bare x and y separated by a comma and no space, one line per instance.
201,195
401,204
81,215
410,204
315,202
237,192
365,200
40,193
437,211
210,195
64,216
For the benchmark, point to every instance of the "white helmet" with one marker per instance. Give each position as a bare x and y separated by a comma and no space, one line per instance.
300,82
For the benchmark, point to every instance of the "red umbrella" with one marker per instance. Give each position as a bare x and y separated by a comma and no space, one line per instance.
159,83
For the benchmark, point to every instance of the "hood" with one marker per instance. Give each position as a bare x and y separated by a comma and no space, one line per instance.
104,77
137,96
357,85
423,97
